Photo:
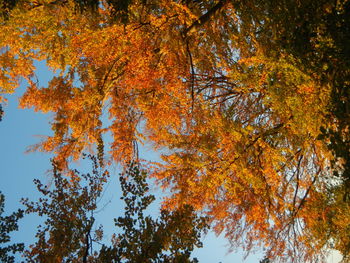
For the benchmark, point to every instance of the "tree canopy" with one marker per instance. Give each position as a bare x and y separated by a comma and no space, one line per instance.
248,101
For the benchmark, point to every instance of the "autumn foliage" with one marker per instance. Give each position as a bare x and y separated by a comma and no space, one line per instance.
222,88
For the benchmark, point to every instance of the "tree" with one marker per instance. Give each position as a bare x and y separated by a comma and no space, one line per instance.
70,208
7,225
236,92
170,238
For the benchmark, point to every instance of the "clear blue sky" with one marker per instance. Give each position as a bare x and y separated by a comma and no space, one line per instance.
22,128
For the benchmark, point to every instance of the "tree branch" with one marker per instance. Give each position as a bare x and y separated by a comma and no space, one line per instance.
192,72
205,18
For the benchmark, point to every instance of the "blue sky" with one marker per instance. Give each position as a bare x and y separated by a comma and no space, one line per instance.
22,128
